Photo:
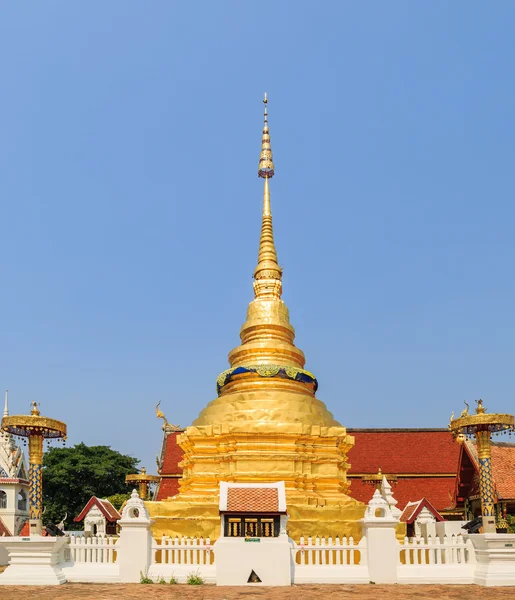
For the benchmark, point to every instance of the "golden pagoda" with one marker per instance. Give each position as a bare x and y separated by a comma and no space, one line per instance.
266,424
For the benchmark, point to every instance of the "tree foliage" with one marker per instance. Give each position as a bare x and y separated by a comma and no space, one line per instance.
72,475
118,499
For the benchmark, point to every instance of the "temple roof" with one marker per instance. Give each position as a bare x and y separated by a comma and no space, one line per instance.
252,497
424,460
503,469
252,500
105,507
413,509
409,451
168,465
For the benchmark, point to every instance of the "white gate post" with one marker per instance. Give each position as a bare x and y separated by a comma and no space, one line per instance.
382,546
134,548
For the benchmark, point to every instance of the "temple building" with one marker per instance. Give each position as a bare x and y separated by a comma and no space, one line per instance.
467,481
100,517
14,485
168,463
432,473
422,463
266,424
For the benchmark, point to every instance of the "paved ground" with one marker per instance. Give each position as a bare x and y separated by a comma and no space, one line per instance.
73,591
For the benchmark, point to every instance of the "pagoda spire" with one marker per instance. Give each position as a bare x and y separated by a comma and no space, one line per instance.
6,405
268,273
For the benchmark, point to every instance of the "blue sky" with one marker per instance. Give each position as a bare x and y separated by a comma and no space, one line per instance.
130,205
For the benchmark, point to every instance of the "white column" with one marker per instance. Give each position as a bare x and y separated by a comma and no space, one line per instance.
135,544
382,545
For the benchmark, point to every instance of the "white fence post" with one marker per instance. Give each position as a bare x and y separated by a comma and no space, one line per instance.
135,543
382,546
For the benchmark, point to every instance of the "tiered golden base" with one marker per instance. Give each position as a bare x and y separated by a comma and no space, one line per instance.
310,459
200,517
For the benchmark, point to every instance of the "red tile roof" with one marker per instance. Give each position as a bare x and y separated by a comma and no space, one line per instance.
413,509
422,451
105,507
503,469
408,512
252,499
3,529
439,490
168,486
428,454
171,456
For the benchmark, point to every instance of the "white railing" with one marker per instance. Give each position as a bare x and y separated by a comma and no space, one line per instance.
328,552
182,557
91,550
451,551
450,560
182,551
331,560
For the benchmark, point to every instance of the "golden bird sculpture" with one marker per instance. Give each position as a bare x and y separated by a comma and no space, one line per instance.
465,411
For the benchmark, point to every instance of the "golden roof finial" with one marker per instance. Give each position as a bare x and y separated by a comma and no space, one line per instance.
160,414
268,273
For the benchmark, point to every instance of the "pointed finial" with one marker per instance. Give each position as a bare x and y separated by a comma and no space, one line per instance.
268,273
6,405
266,164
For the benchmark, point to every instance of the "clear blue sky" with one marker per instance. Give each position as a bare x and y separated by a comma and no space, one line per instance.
130,205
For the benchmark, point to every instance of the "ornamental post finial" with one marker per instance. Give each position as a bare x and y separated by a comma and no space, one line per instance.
6,405
268,273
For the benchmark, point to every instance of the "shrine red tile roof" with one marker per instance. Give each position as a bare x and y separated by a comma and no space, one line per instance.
413,509
408,512
3,529
105,507
252,499
503,469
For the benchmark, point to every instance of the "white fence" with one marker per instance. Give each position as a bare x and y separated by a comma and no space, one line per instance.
91,559
91,550
447,560
181,557
330,561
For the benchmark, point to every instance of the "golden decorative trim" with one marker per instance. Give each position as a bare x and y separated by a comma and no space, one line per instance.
27,425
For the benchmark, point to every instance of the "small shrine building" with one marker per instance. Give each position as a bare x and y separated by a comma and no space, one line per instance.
100,517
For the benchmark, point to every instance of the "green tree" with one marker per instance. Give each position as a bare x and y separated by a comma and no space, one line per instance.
72,475
118,499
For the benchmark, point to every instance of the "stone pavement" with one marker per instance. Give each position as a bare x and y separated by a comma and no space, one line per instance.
74,591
